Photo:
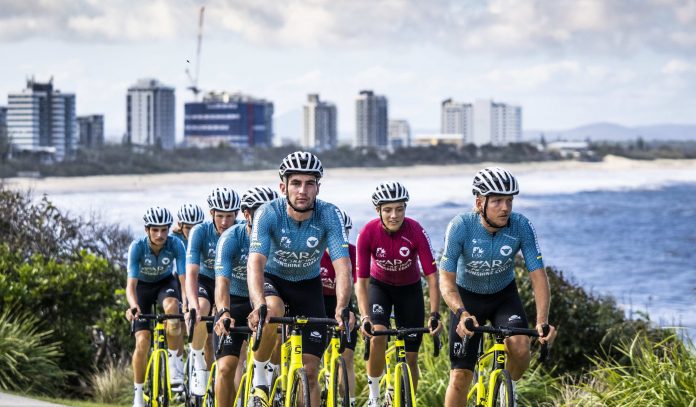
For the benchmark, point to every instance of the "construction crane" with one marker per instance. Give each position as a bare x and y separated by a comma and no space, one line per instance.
194,79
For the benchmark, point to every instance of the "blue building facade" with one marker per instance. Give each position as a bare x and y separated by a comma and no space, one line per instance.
234,120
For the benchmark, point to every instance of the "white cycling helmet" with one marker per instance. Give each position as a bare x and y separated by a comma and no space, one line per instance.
223,199
301,162
191,214
495,180
158,216
391,191
347,222
257,196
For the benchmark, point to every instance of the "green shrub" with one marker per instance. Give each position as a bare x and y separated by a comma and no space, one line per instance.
28,358
113,384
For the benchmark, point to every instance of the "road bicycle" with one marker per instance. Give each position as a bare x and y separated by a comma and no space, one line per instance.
492,383
157,391
194,400
397,382
333,375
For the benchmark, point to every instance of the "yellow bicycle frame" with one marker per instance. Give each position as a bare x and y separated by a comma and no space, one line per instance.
328,370
246,377
395,363
489,366
290,361
159,347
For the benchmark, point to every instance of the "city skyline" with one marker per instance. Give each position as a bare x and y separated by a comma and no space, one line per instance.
566,64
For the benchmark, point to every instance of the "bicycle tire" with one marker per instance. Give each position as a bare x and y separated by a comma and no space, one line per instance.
163,383
300,389
148,389
405,388
342,374
240,393
503,383
210,388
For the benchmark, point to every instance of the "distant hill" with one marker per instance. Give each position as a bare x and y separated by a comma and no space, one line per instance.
616,132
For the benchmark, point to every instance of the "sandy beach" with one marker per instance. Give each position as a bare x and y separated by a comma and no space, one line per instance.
51,185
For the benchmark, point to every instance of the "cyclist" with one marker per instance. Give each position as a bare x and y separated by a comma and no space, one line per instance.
189,216
150,278
232,294
288,239
478,278
388,252
328,282
200,277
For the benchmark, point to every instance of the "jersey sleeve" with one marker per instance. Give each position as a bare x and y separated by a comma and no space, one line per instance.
264,219
193,252
453,245
425,251
180,253
134,254
337,241
530,246
362,253
223,255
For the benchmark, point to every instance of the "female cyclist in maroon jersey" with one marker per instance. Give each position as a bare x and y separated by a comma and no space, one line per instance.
388,251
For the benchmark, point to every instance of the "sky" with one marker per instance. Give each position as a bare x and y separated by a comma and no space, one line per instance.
567,63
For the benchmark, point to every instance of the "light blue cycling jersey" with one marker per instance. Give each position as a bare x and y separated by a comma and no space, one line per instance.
203,240
184,240
231,259
485,262
294,249
146,267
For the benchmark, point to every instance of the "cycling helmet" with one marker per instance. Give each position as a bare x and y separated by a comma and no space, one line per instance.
386,192
301,162
495,180
347,222
158,216
257,196
223,199
190,214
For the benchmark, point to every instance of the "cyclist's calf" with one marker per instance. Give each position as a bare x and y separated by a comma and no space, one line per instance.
519,355
460,380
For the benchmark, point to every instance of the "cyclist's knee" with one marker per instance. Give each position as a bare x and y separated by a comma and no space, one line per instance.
174,327
311,366
378,342
227,366
276,307
519,351
170,306
142,343
460,379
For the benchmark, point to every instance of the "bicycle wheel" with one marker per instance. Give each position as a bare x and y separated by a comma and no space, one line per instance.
299,394
163,382
503,394
405,387
340,379
209,400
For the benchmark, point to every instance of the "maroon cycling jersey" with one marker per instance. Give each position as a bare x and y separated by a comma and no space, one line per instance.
328,274
394,255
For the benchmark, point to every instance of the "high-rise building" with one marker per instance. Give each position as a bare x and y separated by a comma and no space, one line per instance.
230,119
371,113
319,124
42,119
3,121
150,114
496,123
91,131
457,118
399,133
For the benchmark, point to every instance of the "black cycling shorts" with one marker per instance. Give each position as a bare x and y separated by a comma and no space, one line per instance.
304,298
503,308
240,307
206,289
330,307
149,293
409,308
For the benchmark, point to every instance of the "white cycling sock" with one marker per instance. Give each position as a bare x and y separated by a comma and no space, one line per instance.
173,354
138,396
352,402
270,369
198,359
373,382
260,373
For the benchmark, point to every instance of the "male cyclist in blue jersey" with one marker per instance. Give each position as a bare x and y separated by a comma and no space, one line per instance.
150,279
189,216
477,278
288,239
200,277
232,294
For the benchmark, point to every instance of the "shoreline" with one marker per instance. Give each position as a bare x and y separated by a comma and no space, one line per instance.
129,182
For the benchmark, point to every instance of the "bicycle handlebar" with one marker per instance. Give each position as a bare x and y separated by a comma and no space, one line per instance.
263,311
506,331
230,330
150,317
192,322
402,332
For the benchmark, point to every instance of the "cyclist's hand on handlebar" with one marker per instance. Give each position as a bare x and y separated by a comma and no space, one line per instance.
435,324
550,337
253,318
220,328
366,326
461,327
130,315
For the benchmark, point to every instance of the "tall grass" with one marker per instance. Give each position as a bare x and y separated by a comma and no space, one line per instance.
28,357
113,385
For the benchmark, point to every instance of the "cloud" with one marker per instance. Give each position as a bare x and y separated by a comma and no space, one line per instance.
511,27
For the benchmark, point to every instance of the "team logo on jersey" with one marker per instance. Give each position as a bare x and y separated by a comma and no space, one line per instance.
506,250
166,261
324,271
477,252
211,252
285,242
404,251
312,242
377,309
148,262
381,252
